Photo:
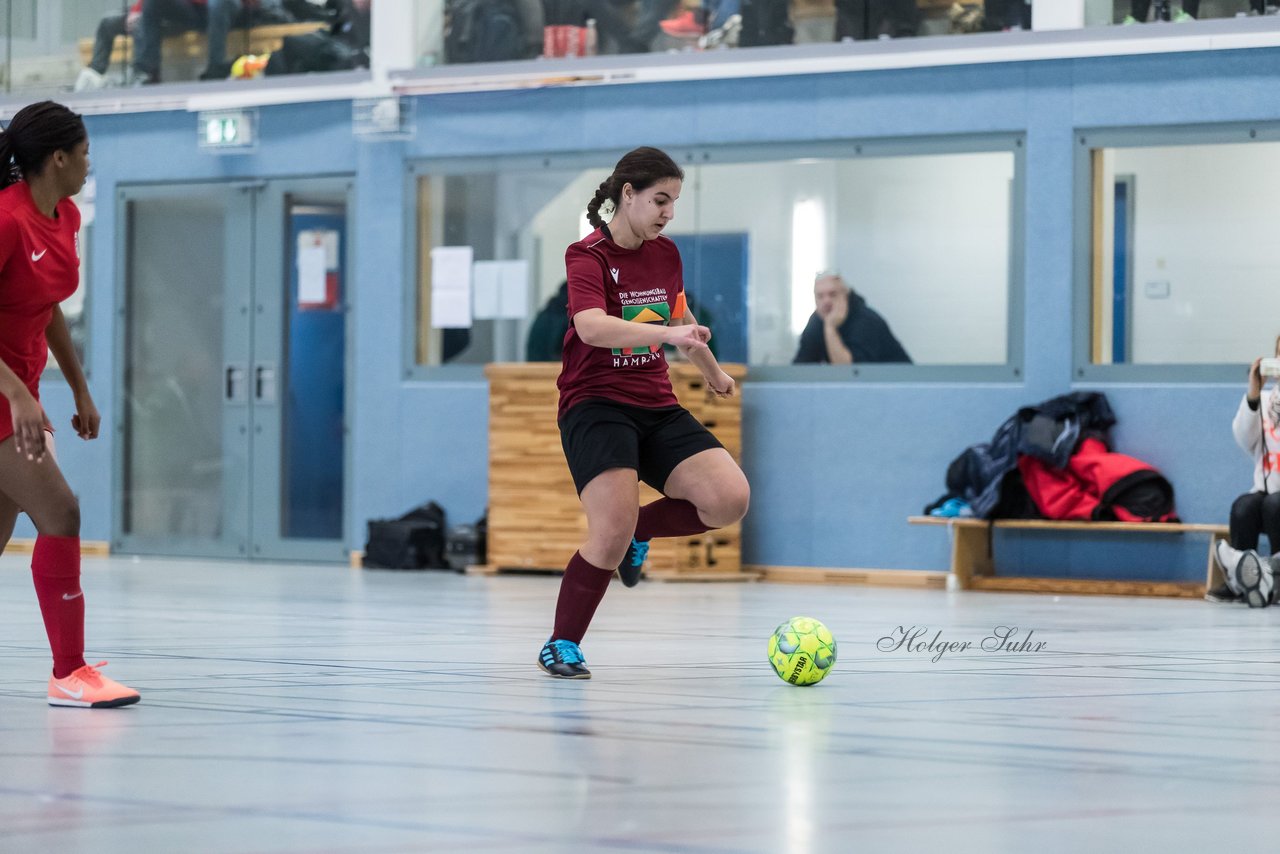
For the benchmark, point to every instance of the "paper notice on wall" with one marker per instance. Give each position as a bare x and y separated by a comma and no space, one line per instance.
451,309
513,290
486,284
451,287
501,290
313,273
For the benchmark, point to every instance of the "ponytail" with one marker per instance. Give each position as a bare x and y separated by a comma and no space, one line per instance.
603,194
33,134
641,168
8,170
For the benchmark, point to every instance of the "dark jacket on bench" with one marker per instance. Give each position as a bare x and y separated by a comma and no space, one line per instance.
1048,436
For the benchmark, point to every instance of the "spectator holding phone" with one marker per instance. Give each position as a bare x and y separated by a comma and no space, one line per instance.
1256,427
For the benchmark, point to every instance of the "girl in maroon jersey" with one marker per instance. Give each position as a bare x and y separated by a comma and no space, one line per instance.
44,160
619,419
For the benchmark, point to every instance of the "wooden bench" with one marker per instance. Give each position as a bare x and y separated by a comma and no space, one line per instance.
189,47
972,563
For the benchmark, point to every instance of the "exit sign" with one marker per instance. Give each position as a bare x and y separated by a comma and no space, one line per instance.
227,130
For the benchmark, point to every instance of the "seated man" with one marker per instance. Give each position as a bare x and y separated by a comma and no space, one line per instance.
93,75
844,329
160,17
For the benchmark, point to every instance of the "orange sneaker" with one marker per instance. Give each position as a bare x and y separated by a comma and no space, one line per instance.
89,689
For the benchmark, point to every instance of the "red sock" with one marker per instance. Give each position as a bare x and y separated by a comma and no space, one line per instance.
581,590
669,517
55,568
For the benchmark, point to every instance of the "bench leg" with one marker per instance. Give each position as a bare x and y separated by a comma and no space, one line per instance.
1214,578
970,554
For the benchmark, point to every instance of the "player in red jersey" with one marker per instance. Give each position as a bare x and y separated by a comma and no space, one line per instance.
44,160
619,419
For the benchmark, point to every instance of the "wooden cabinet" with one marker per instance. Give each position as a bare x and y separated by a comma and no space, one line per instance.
535,519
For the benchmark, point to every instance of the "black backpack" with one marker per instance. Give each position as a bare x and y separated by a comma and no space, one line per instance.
483,31
414,541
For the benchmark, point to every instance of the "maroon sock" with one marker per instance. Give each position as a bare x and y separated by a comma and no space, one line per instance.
669,517
55,568
581,590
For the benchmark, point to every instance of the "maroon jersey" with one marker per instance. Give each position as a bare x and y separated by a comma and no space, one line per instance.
644,285
39,268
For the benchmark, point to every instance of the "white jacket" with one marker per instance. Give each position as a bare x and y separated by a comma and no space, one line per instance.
1249,431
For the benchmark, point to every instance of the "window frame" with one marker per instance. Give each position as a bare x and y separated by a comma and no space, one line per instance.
1012,142
1088,140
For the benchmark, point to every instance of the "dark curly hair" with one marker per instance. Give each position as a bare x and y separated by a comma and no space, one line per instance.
35,132
641,168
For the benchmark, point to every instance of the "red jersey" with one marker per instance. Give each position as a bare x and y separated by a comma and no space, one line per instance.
644,285
39,268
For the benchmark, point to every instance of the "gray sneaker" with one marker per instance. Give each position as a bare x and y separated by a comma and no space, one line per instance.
1253,577
1226,558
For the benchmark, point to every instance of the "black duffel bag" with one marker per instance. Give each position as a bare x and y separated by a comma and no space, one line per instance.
414,541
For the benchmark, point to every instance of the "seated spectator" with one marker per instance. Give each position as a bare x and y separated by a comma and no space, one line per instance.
844,330
214,17
1256,428
93,75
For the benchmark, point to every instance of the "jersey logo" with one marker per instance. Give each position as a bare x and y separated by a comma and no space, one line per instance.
614,271
654,312
36,256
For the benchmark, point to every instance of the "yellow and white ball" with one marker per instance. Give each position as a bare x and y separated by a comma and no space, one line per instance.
802,651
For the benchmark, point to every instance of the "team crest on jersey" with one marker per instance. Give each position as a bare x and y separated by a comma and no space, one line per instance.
653,312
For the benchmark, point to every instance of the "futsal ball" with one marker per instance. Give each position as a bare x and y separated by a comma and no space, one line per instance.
802,651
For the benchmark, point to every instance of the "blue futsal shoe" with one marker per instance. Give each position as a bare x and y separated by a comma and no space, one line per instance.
633,562
563,659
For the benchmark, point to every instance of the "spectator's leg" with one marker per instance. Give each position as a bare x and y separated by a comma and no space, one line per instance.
1191,7
902,18
1139,10
647,25
995,14
109,28
1271,520
1246,521
172,16
222,14
851,19
720,11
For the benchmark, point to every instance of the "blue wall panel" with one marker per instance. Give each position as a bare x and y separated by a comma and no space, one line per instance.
835,469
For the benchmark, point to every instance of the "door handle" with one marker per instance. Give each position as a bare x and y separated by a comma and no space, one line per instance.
264,383
233,385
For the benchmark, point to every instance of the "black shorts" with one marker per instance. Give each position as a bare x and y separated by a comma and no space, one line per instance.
598,435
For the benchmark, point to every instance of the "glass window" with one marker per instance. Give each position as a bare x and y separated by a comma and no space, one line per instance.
520,30
922,241
918,246
1183,265
87,45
